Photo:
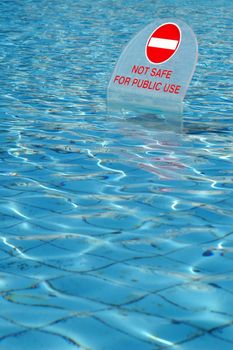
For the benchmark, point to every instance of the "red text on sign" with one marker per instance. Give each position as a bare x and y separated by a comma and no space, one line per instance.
172,88
122,80
140,69
154,72
161,73
146,84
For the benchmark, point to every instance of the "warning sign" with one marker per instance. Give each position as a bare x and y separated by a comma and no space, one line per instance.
155,69
163,43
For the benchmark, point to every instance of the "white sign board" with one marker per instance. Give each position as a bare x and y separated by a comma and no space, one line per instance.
156,67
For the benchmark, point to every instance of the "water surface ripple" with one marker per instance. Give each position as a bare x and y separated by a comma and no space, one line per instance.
114,234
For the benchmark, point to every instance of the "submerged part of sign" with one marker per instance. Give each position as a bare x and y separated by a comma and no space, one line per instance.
154,70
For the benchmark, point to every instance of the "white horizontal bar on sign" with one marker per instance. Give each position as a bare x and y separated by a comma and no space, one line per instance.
163,43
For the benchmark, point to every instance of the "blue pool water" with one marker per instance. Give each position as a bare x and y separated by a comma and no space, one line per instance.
113,234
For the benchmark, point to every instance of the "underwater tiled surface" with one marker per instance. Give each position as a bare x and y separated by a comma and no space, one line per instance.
113,234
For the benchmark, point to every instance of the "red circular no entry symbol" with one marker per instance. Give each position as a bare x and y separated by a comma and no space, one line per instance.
163,43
